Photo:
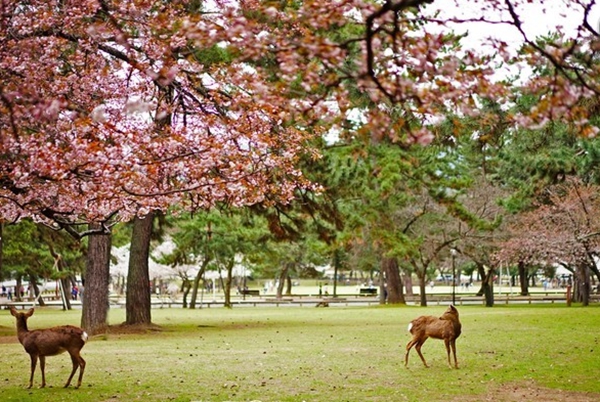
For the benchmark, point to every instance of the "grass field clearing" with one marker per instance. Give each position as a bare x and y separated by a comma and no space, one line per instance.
326,354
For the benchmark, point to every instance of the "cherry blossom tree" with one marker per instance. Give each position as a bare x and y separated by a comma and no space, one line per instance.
92,83
564,231
86,89
108,112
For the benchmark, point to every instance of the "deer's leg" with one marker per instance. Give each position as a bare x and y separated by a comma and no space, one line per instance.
81,369
43,368
33,364
453,345
447,343
78,362
409,345
418,348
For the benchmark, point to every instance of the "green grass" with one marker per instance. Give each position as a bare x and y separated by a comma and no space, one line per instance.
329,354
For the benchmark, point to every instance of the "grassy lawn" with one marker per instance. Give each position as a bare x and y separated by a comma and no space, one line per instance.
327,354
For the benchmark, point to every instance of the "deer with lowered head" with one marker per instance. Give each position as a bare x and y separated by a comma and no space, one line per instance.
40,343
447,327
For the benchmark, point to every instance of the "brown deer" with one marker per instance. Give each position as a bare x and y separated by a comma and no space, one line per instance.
40,343
447,327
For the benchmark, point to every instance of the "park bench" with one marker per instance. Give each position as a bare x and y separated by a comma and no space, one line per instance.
368,291
250,292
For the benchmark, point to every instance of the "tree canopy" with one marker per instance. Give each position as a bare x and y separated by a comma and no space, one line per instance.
111,110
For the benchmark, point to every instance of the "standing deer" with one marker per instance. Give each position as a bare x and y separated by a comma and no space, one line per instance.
40,343
447,327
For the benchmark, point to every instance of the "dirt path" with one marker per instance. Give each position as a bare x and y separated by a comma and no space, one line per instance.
530,392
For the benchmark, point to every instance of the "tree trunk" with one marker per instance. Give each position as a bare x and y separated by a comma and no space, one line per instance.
137,299
288,282
533,280
336,267
65,293
422,277
18,294
422,290
582,285
482,274
408,285
65,284
186,286
523,279
94,315
34,290
282,276
227,287
196,283
487,286
394,288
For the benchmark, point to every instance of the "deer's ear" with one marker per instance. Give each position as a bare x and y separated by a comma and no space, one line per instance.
29,313
13,312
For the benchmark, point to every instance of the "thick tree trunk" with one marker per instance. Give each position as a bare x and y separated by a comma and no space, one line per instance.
582,285
94,315
137,300
523,279
394,288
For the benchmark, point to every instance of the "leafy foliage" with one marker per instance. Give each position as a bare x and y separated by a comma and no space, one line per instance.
31,249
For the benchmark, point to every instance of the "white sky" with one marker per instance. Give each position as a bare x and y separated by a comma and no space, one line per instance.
539,17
